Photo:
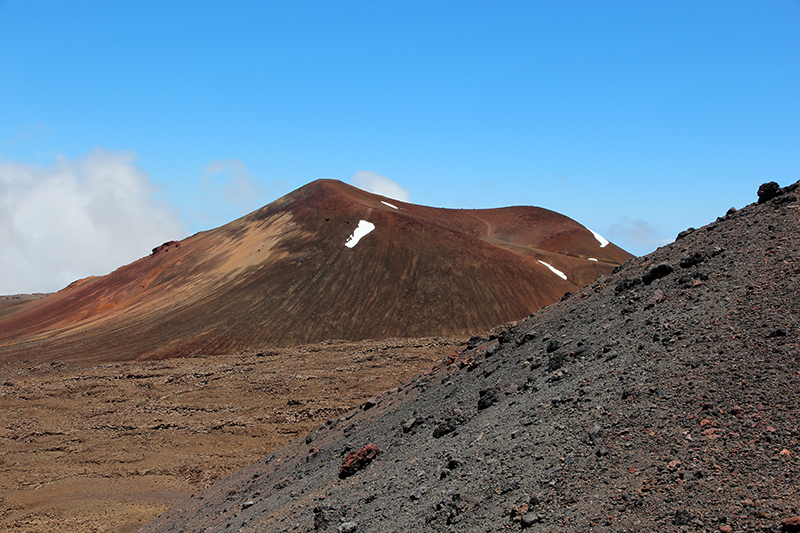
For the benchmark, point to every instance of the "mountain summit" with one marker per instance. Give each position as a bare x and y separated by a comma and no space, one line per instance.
327,261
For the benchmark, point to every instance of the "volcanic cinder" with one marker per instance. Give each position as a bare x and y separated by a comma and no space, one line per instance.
326,261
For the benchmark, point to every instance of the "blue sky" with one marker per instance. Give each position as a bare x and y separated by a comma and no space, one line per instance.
125,124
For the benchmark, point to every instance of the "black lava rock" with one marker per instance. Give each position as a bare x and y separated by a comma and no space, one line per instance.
768,191
657,272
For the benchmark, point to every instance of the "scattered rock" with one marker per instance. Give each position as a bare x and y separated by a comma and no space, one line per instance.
324,516
312,453
528,336
449,425
358,460
372,402
529,520
695,258
627,284
477,340
657,297
682,517
409,424
784,199
488,397
417,494
348,527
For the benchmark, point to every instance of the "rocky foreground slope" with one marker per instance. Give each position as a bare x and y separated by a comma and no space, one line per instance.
662,397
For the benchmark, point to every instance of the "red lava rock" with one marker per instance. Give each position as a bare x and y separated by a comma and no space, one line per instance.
725,529
737,411
358,459
791,524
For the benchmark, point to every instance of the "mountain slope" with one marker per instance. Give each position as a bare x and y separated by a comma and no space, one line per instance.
662,397
283,276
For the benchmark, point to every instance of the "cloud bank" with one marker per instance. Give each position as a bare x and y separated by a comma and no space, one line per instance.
77,218
375,183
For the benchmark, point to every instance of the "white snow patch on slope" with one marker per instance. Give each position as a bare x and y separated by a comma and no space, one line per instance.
556,271
390,205
363,228
602,240
592,259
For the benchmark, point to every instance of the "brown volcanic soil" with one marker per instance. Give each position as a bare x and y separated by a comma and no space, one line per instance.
105,448
281,276
662,397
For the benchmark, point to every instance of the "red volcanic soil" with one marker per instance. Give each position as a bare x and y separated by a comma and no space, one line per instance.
282,276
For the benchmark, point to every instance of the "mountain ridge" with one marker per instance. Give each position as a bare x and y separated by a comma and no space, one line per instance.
282,275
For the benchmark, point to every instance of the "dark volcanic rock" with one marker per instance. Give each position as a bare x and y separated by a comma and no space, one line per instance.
768,191
657,272
488,397
695,258
678,414
449,425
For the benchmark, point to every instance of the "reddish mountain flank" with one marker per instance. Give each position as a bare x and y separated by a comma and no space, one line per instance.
284,276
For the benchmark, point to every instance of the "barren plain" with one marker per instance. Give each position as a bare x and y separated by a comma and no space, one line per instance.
105,448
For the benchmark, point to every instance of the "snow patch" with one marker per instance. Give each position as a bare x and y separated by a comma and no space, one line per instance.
390,205
556,271
592,259
602,240
363,228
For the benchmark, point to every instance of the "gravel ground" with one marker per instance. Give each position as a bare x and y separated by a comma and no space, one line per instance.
662,397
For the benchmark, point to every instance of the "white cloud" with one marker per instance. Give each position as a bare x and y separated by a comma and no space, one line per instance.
375,183
77,218
637,236
231,178
226,192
